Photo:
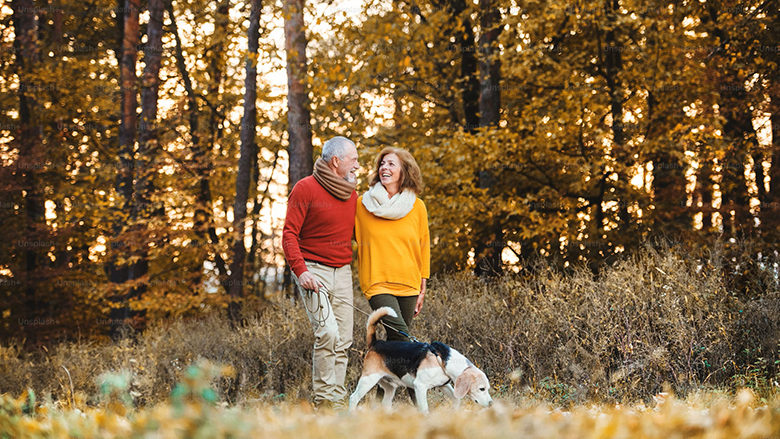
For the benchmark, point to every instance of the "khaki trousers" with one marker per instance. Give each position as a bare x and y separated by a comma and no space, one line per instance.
331,317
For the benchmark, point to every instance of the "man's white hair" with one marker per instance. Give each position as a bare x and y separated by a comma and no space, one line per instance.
336,147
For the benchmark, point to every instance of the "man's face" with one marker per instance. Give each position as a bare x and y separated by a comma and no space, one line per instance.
346,166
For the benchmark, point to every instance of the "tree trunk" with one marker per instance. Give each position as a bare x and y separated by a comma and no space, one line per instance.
704,193
145,158
299,150
770,208
466,46
217,60
29,161
147,129
613,66
739,133
672,216
120,273
243,178
490,242
257,235
489,66
203,226
216,57
298,116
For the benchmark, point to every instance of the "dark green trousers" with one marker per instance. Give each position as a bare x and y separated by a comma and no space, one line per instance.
403,306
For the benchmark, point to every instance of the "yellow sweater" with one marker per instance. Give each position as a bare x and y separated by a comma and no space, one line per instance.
393,255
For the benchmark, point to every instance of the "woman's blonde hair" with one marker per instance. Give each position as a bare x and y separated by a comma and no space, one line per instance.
411,177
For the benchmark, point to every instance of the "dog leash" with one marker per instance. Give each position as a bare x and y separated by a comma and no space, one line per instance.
320,308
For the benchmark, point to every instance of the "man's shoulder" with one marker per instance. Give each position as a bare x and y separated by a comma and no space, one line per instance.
309,187
305,185
306,182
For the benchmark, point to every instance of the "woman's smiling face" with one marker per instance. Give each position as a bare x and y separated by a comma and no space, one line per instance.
390,170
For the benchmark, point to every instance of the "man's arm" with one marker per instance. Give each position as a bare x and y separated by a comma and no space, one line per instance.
297,208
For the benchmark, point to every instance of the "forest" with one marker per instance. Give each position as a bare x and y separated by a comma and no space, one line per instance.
148,146
601,179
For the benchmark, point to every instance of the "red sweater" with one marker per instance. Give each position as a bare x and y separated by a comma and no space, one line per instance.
318,226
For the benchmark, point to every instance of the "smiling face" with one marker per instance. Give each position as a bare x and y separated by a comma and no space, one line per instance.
347,165
396,169
390,171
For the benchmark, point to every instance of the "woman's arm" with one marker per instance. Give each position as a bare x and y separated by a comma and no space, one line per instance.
420,298
425,247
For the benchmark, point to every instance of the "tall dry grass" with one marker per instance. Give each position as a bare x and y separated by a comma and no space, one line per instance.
660,319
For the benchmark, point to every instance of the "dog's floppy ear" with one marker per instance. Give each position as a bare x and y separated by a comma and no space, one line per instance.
463,383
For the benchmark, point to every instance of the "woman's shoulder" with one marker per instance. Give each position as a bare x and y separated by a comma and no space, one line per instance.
360,202
361,210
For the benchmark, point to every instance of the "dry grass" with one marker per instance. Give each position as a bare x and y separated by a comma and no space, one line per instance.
190,415
663,319
269,358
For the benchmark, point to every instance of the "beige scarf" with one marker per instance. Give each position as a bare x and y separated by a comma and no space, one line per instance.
397,207
335,185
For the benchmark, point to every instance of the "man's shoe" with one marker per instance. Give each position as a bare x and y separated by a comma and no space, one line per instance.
340,405
327,405
323,405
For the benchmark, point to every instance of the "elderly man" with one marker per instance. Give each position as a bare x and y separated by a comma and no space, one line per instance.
317,242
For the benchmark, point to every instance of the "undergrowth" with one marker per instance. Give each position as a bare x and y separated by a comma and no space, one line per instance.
660,320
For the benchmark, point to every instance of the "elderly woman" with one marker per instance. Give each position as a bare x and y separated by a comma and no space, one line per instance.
391,229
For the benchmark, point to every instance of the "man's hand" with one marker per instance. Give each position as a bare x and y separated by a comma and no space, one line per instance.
308,281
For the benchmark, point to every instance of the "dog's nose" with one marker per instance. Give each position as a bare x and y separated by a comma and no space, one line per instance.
490,403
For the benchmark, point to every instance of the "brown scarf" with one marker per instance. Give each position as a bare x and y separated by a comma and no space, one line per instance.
334,184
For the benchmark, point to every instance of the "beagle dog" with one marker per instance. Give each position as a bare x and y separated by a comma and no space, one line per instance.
421,366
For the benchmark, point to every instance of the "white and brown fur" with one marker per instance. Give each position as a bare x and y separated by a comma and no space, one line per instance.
420,366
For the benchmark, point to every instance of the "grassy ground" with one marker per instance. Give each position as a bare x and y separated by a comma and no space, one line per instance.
551,343
701,416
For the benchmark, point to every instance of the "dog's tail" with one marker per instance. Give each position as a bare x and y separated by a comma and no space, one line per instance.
373,320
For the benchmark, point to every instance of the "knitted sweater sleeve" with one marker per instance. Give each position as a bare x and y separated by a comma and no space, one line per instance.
425,243
297,207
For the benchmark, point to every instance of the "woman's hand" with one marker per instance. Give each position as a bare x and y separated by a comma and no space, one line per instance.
418,306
